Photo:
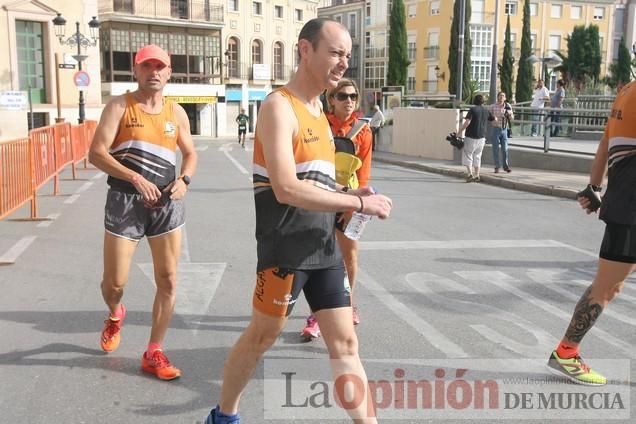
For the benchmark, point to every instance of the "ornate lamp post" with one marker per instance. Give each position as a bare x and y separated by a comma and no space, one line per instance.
80,40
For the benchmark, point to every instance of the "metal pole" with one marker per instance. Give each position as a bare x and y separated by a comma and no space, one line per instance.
460,51
493,61
79,67
58,89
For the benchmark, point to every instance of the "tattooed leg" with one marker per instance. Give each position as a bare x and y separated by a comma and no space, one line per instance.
585,315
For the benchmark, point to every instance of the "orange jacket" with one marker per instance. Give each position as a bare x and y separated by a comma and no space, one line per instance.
362,141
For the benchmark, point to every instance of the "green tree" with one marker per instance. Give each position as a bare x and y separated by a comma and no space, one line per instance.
621,70
398,56
506,67
584,55
454,48
525,73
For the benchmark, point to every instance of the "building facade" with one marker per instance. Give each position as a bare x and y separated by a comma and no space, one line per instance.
31,50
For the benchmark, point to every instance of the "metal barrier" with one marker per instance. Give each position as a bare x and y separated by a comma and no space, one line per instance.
27,164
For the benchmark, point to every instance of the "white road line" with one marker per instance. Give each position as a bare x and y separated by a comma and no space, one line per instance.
202,148
553,284
52,217
458,244
425,283
423,327
84,187
185,249
72,199
226,148
16,250
97,176
503,281
576,249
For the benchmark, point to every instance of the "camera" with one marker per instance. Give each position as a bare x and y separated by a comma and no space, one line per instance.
455,141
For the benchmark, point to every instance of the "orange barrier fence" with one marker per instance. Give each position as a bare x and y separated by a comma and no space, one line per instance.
27,164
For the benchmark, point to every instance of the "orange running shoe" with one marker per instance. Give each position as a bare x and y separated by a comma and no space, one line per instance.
111,334
159,365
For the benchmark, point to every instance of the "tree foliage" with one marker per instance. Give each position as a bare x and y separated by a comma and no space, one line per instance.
398,56
621,70
454,48
525,73
506,67
584,55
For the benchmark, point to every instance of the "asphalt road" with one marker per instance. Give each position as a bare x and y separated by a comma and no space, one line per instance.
463,293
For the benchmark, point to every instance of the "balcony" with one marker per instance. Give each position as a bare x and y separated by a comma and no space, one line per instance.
375,52
183,10
431,52
429,86
237,72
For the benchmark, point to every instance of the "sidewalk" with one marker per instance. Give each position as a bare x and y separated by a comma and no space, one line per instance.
551,183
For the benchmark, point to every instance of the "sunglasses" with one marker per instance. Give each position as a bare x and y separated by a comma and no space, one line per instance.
343,96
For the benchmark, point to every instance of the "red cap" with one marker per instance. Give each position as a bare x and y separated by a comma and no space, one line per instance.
152,52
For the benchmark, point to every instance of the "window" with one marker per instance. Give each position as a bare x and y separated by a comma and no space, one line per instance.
298,14
367,13
257,52
615,49
278,11
338,18
556,11
179,9
511,7
411,48
123,6
434,10
374,75
533,43
31,59
599,13
353,27
481,36
412,10
534,9
477,15
257,8
232,5
513,42
576,12
278,60
232,58
619,20
554,42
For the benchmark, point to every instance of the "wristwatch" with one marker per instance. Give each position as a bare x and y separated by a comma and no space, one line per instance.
186,179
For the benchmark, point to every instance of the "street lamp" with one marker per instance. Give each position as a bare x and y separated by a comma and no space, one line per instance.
80,40
551,59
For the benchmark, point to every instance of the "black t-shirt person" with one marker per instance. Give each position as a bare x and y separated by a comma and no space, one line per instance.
479,117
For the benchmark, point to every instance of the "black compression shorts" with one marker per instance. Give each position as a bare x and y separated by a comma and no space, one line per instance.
619,243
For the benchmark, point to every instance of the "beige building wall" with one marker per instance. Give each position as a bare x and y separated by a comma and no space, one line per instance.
435,16
39,11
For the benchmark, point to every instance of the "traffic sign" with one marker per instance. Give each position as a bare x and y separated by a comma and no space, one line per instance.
66,66
81,79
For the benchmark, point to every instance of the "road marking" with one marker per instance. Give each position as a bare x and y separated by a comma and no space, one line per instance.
97,176
427,330
226,149
426,283
458,244
71,199
52,217
84,187
576,249
202,148
196,286
503,281
16,250
185,247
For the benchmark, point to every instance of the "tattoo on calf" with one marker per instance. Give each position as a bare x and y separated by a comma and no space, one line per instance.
585,315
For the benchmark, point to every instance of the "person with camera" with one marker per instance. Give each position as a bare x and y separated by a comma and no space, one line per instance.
616,156
502,111
476,127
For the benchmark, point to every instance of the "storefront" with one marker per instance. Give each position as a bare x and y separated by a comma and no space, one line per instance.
201,112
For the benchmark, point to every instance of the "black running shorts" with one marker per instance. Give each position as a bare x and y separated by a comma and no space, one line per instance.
126,215
277,289
619,243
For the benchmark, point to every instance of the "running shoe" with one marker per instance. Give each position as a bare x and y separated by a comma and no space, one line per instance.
159,365
111,334
574,369
311,330
356,316
213,418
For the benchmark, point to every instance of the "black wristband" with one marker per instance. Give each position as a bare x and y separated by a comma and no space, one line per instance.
596,188
344,189
361,205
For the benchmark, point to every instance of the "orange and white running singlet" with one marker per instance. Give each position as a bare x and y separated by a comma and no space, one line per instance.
146,143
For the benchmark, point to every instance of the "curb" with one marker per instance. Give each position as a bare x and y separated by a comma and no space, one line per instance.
547,190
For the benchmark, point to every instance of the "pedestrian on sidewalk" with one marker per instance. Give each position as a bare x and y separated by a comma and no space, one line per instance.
616,156
242,120
352,172
135,144
502,111
556,102
539,97
476,126
377,122
296,197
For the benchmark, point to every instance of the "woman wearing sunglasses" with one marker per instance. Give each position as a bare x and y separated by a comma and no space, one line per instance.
343,104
